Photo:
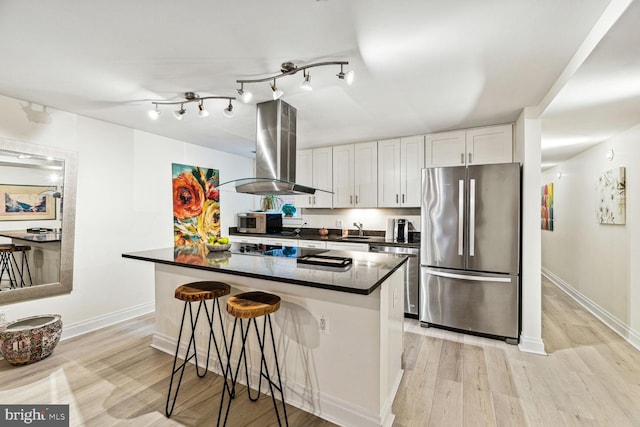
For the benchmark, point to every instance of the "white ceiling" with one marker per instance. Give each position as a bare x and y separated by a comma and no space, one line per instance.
421,65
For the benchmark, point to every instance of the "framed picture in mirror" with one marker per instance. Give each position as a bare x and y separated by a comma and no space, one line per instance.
27,202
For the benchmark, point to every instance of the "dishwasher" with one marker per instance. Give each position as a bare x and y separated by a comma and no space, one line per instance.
411,278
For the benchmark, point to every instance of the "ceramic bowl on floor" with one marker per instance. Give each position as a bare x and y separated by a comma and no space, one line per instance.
30,339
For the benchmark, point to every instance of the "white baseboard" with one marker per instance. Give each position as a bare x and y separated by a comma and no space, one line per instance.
321,405
629,335
533,345
90,325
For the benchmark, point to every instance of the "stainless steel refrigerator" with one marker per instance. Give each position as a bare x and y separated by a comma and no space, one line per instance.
470,249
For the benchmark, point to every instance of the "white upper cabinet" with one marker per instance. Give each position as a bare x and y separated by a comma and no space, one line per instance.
314,168
355,176
492,144
399,165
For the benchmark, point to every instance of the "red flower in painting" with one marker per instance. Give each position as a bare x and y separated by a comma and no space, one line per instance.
213,194
187,196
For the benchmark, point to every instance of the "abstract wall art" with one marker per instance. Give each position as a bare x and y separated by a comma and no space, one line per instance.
196,204
611,187
27,202
547,207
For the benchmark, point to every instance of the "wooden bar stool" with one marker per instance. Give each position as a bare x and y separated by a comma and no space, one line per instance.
24,262
6,259
199,292
251,305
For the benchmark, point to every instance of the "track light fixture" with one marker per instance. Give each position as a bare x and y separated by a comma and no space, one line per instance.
289,68
306,83
228,112
245,96
191,97
277,93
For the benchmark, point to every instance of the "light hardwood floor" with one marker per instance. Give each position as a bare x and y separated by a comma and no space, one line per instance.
591,377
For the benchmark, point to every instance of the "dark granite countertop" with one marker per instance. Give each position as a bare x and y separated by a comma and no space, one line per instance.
32,237
366,273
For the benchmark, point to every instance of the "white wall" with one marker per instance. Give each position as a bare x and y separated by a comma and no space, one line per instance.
597,264
123,204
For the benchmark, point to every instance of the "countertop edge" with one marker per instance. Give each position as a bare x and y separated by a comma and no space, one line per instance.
367,291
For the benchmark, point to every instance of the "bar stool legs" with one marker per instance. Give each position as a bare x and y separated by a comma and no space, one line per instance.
6,259
196,292
24,263
251,305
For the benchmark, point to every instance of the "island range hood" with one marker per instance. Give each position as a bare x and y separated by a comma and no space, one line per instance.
275,153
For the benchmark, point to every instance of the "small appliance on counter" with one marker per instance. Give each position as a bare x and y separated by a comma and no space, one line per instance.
397,230
260,222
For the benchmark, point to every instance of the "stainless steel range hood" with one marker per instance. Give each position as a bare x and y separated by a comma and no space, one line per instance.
275,152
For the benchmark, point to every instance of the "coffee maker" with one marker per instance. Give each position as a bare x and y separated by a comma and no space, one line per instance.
400,230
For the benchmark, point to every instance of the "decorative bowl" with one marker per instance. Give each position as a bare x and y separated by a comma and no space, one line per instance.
30,339
217,248
289,210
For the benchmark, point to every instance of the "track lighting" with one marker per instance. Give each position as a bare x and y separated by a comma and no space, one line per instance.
202,112
154,114
179,113
288,69
245,96
277,93
306,83
347,77
191,97
228,112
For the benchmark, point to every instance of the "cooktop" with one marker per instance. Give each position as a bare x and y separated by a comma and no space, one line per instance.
273,250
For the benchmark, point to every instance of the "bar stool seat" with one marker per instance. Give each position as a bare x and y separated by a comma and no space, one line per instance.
250,306
24,263
197,292
7,262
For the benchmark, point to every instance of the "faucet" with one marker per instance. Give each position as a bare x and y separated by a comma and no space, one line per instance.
297,231
359,227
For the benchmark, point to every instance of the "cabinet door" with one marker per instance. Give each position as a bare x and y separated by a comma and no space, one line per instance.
389,171
366,174
304,176
411,164
493,144
278,242
445,149
342,246
343,175
323,176
318,244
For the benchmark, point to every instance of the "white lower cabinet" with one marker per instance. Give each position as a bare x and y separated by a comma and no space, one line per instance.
317,244
234,238
278,241
344,246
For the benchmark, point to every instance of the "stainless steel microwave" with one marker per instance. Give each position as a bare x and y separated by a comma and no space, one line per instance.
259,222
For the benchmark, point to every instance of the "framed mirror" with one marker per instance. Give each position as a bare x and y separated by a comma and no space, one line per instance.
21,160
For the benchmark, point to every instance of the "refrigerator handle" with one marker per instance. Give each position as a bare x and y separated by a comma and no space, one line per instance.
460,216
470,278
472,217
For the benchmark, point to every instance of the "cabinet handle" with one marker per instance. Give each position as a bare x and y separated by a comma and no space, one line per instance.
356,199
309,199
470,158
462,158
350,200
403,198
396,198
314,200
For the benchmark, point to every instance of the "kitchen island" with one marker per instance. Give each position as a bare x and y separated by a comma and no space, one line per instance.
338,330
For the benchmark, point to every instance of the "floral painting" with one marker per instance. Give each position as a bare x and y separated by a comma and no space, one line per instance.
196,204
611,191
547,207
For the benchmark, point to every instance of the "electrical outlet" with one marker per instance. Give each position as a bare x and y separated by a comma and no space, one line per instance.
338,223
324,325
